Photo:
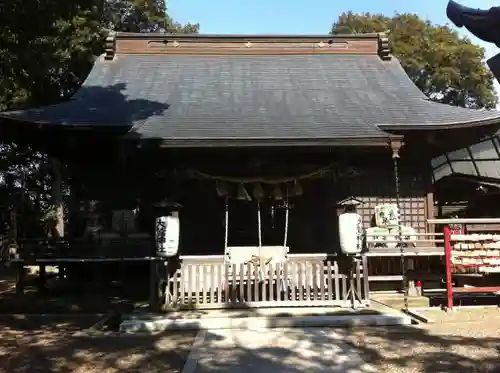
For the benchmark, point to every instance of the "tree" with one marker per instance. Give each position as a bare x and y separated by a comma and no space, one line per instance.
47,48
141,16
48,57
448,68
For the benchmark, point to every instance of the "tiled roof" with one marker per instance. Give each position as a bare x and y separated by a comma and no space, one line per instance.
205,98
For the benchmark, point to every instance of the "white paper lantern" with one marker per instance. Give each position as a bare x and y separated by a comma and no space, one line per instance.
350,233
167,233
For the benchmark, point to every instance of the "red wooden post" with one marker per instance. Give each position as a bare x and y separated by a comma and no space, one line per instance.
447,258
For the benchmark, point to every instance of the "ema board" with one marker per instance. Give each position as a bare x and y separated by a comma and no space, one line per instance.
167,233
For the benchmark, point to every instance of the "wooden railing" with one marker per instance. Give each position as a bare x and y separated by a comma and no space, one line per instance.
426,244
423,256
288,284
31,251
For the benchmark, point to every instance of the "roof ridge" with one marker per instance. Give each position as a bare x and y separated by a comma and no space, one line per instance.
206,44
244,37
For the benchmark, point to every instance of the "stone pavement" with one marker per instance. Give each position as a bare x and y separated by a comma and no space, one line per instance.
312,350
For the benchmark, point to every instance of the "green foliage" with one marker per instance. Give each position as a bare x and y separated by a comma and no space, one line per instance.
141,16
47,48
448,68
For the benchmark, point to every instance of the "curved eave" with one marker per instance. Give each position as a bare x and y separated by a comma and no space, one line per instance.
15,129
494,119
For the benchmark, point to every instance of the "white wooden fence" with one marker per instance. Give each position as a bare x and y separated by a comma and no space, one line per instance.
288,284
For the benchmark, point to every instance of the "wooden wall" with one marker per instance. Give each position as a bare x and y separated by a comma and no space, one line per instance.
377,186
313,226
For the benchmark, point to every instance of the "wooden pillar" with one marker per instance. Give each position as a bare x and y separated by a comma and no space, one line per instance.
153,285
97,278
429,210
42,278
13,226
57,201
366,282
20,278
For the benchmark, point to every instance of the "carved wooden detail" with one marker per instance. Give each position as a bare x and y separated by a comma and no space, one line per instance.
110,46
245,45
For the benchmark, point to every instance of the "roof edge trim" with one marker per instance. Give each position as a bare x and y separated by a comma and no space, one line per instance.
382,141
439,126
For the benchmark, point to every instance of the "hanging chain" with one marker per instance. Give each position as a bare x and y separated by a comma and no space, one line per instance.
226,223
395,160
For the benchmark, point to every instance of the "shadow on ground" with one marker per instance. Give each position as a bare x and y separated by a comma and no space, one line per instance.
468,347
35,344
42,344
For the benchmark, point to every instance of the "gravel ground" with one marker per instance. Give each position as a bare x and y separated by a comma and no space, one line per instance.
42,345
460,315
459,346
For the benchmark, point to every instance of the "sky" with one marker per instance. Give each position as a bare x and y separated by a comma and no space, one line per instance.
306,16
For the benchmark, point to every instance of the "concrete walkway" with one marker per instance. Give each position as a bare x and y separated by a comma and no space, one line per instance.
312,350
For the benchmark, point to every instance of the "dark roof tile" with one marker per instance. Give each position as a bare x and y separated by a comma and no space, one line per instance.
251,97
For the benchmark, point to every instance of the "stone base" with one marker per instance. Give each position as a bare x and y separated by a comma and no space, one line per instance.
159,324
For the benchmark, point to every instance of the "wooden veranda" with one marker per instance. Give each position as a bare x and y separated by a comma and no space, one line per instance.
210,281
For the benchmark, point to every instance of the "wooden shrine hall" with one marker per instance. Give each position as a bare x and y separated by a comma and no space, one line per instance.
253,144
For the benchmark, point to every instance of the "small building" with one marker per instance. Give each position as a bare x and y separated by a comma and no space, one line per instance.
256,139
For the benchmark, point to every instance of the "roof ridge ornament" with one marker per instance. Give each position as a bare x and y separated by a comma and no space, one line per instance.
384,49
110,46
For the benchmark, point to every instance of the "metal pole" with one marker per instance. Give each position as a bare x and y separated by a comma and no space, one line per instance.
395,160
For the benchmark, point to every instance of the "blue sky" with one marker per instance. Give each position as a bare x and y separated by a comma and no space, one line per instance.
304,16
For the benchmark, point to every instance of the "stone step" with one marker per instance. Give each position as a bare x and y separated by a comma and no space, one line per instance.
154,325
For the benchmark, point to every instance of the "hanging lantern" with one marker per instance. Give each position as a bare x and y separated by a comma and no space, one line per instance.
242,193
277,193
221,188
297,188
258,192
